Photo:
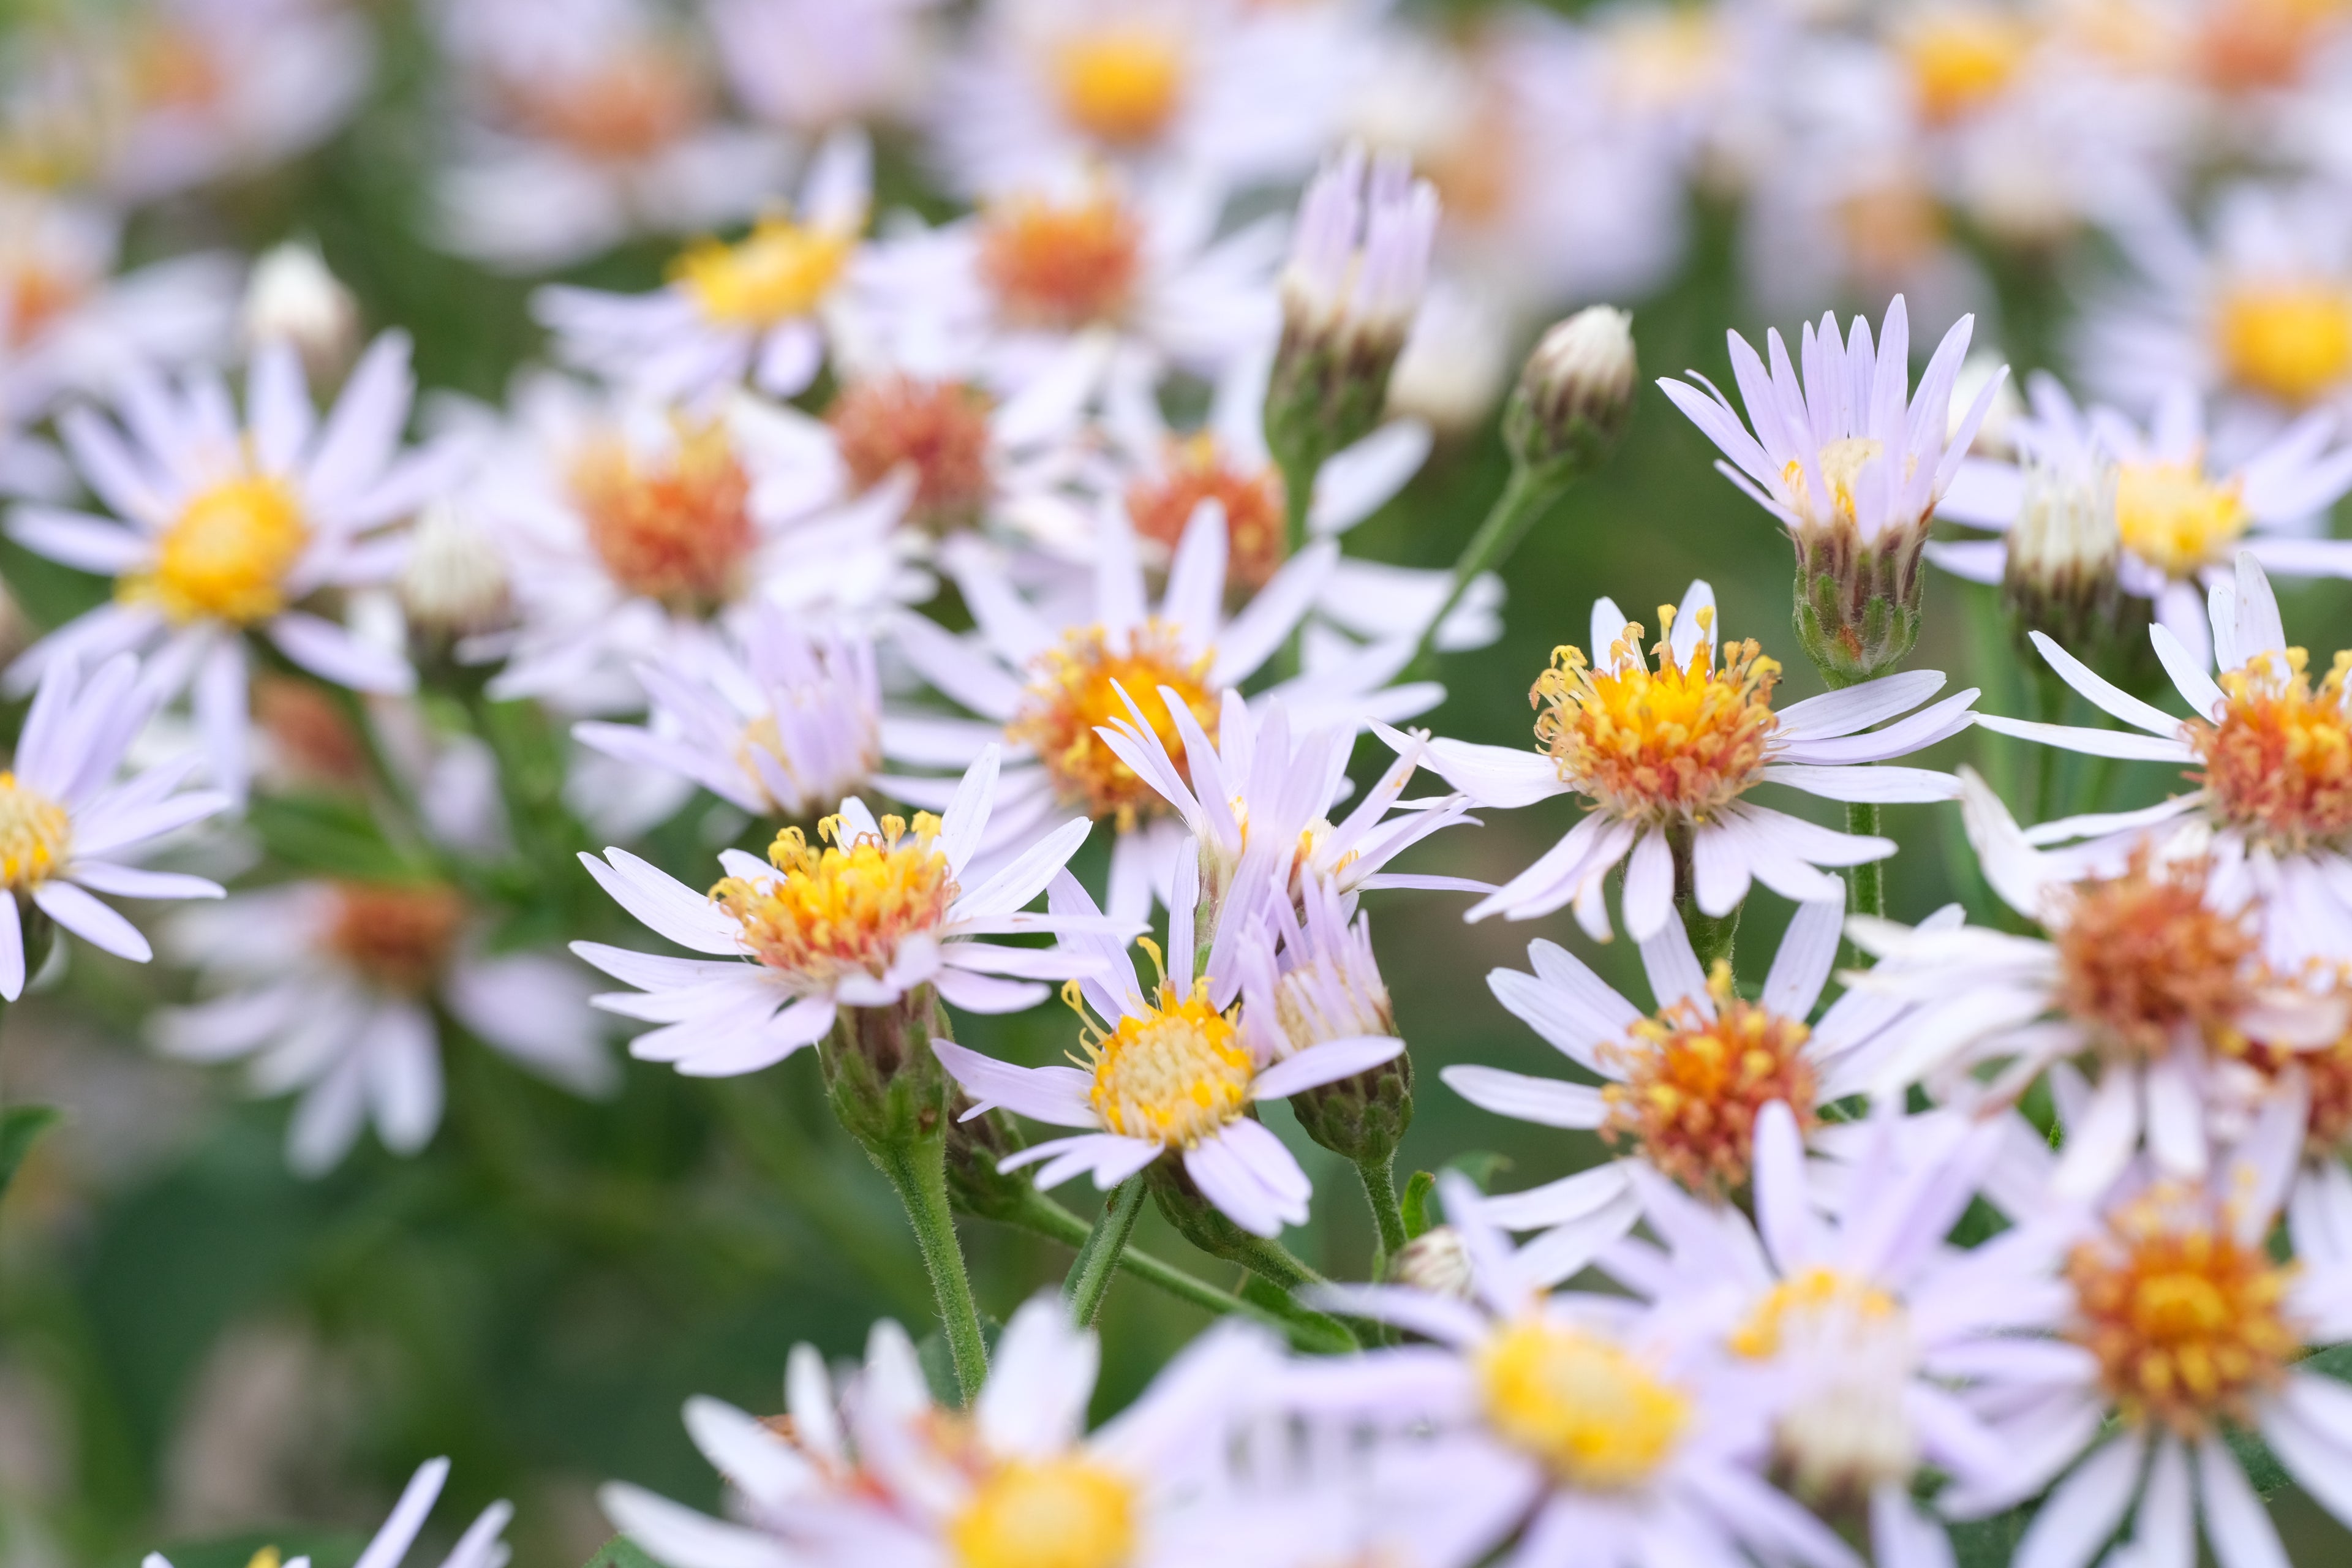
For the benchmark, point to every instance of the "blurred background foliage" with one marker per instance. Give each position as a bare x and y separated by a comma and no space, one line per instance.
194,1342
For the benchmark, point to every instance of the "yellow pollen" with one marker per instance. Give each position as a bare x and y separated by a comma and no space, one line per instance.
1811,1298
33,834
2280,760
2174,518
1064,1512
1173,1075
843,910
227,555
1674,744
1061,265
677,529
1587,1408
2187,1323
1694,1085
782,269
1121,84
1840,464
1076,687
2287,340
1961,57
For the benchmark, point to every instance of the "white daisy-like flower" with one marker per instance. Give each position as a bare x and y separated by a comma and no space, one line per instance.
892,1480
790,722
220,530
806,66
2182,516
1172,1068
1683,1086
1674,751
871,916
332,989
1044,679
753,309
2151,958
580,123
479,1547
2180,1330
1876,1340
66,823
1589,1432
2275,755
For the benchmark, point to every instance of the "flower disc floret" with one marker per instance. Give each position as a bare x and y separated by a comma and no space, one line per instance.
399,939
1061,265
779,271
1076,688
940,429
1063,1512
2279,762
35,834
843,910
1961,57
227,555
2289,340
1694,1085
2175,519
2189,1323
680,529
2327,1072
2143,956
1122,84
1162,507
1589,1410
1674,744
1174,1074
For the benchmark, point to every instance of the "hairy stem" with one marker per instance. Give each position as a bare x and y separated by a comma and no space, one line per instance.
917,1169
1866,882
1099,1254
1381,1190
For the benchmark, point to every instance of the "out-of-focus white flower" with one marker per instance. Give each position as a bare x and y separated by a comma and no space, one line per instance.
479,1547
1456,360
455,583
809,65
292,297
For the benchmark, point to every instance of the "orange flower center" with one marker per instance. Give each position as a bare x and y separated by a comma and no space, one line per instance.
2252,46
2142,956
311,734
1076,688
1061,265
844,909
37,294
1255,526
939,428
1694,1085
2187,1323
632,106
1890,227
1676,743
398,938
677,528
2327,1074
2280,760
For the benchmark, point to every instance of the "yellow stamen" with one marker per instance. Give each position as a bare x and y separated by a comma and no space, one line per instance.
227,555
677,529
782,269
1076,688
1591,1411
1694,1085
2174,518
846,909
2290,340
34,835
1805,1300
1063,1512
2280,760
2142,956
1173,1075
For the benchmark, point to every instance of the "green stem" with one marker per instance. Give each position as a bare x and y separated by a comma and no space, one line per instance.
1866,882
1381,1190
1525,498
917,1169
1298,471
1099,1254
1711,936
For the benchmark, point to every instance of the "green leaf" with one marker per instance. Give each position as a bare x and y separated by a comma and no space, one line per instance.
1416,1203
324,1547
618,1552
1985,1542
19,1125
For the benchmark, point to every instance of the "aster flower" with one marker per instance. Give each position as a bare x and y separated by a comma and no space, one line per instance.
1672,753
1045,678
892,1480
1852,468
1591,1434
805,66
335,989
873,915
218,532
1683,1086
2152,966
478,1547
790,723
2181,518
1171,1069
2141,1406
2275,755
66,822
753,309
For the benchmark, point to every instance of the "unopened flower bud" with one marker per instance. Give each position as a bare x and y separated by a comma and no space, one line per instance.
2062,549
886,1087
454,583
1333,990
1575,395
292,297
1437,1261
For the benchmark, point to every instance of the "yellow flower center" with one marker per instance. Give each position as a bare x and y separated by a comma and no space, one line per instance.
1805,1303
2142,956
1694,1085
843,910
1676,743
1162,506
1120,84
398,938
1587,1408
33,834
2187,1323
677,528
1961,57
2174,518
2288,340
227,555
1173,1075
267,1557
1066,1513
1840,463
1061,265
1076,688
2280,760
782,269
